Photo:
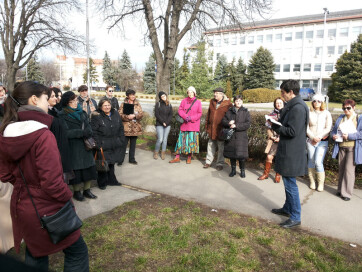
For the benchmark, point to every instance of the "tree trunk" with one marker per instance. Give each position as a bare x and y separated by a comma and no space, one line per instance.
10,79
163,78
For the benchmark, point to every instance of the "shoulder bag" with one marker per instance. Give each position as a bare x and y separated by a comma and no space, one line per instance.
89,143
60,224
179,118
101,164
226,134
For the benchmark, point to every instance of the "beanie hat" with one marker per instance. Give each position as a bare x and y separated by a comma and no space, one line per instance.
192,89
219,89
318,97
66,97
161,94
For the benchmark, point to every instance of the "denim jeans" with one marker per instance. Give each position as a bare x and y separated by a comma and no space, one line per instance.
292,202
162,135
316,154
75,258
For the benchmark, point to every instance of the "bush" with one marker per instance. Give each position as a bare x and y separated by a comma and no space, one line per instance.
260,95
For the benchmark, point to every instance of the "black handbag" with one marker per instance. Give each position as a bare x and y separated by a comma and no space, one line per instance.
226,134
179,118
101,164
62,223
89,143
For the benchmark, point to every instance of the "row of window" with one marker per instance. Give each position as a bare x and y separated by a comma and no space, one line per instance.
307,83
299,35
307,67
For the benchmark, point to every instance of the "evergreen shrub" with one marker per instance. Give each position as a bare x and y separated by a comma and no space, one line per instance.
260,95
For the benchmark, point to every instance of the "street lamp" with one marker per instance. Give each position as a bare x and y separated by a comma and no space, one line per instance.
326,11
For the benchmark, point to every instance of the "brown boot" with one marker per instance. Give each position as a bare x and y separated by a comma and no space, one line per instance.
266,171
175,160
277,178
163,155
155,155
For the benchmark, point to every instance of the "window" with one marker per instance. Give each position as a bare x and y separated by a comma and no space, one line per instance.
286,68
342,49
233,40
315,84
211,43
317,67
356,30
218,42
328,67
277,68
305,83
288,36
251,39
343,32
309,34
307,67
320,33
242,54
250,54
242,40
217,56
330,50
260,38
318,51
331,33
278,37
269,38
226,40
299,35
296,68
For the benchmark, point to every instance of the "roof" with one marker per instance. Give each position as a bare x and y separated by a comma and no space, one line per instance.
298,20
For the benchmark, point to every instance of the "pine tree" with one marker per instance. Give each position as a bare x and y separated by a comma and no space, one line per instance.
232,75
240,76
346,81
183,74
221,69
93,76
125,75
108,70
125,62
34,70
149,76
229,91
260,72
173,78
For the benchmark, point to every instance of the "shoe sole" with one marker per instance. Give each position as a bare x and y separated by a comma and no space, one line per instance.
283,214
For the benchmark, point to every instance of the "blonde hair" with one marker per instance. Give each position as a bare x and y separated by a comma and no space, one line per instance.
323,106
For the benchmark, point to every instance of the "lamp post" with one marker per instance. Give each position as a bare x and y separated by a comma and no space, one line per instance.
326,11
87,41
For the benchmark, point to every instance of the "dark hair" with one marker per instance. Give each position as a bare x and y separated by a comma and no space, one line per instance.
290,85
56,91
50,90
109,86
349,102
161,93
66,97
4,88
18,97
102,101
275,101
236,97
129,92
82,88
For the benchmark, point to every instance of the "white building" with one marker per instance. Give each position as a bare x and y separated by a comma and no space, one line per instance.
303,47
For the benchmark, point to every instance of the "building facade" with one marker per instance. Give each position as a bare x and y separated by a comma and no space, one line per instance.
304,47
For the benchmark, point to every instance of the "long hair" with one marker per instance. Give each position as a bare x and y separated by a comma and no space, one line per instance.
19,97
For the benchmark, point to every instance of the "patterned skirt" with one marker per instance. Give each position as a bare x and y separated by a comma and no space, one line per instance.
188,142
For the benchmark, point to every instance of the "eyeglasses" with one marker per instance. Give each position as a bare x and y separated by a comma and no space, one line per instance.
317,101
86,90
346,108
111,91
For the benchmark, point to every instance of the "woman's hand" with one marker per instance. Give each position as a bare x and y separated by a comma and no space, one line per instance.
232,126
164,124
131,116
232,122
345,136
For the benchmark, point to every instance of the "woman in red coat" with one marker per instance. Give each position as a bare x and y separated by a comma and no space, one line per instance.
26,141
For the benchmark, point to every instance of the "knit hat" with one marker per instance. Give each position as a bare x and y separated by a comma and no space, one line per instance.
161,94
219,89
318,97
192,89
66,97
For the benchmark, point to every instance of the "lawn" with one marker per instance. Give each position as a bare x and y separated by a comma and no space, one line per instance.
163,233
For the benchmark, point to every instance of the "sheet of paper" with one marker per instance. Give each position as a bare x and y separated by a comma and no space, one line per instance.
271,119
348,127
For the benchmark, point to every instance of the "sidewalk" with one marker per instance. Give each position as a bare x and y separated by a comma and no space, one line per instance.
322,212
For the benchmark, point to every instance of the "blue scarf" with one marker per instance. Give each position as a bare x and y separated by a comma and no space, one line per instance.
74,113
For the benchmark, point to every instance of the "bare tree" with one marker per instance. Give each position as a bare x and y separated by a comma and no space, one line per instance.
27,26
168,21
50,72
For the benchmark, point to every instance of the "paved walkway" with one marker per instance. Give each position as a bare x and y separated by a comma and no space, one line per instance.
322,212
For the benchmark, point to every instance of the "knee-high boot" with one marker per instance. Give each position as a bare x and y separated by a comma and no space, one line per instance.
266,171
233,167
242,168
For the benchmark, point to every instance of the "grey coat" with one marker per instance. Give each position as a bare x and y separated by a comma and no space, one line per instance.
291,157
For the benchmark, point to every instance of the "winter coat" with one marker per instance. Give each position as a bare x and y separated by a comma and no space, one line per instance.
109,134
291,157
6,230
114,102
237,147
80,157
31,142
88,112
163,113
357,137
320,124
194,115
132,127
214,117
59,129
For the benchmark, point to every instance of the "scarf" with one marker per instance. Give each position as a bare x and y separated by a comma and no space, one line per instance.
86,102
74,113
275,114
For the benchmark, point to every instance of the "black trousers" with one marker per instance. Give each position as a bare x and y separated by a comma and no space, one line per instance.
241,163
132,148
107,178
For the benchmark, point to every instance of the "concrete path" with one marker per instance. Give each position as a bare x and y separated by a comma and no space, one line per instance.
322,212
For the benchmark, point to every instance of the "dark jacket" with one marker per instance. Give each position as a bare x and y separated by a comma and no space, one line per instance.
59,129
291,157
88,112
214,116
37,151
108,133
114,102
80,157
163,113
237,147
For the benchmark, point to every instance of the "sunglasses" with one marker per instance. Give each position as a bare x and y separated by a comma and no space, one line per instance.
318,101
86,90
347,108
111,91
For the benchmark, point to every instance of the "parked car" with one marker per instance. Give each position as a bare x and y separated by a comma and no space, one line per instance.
306,93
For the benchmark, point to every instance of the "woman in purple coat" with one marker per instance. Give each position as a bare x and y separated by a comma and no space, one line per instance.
190,111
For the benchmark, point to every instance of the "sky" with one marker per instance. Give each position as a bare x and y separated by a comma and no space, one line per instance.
115,42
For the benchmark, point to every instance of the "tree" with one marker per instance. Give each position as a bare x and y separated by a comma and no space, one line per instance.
168,21
125,74
27,26
183,73
346,81
34,72
232,75
108,71
229,90
125,62
221,69
240,76
174,72
93,76
149,76
261,68
49,71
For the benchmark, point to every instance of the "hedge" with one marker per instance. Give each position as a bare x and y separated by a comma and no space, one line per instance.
260,95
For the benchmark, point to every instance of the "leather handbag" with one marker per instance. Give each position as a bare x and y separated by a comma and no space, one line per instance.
62,223
226,134
101,164
89,143
179,118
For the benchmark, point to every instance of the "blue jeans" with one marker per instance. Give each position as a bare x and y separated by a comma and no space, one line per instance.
75,258
162,135
316,154
292,202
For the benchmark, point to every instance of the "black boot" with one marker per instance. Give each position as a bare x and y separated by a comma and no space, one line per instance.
233,167
242,168
88,194
78,196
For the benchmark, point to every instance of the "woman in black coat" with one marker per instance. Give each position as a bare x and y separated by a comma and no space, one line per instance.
237,118
108,133
82,159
